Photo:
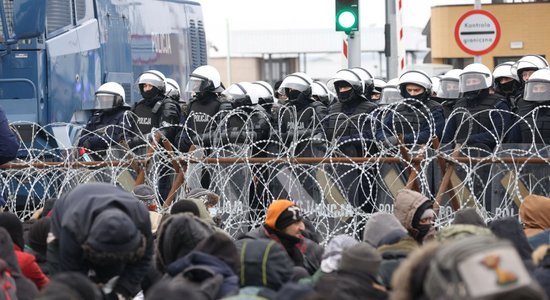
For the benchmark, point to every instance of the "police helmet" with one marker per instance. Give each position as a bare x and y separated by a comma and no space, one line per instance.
449,85
475,77
320,91
368,80
347,77
416,77
154,78
242,93
204,79
378,85
528,62
172,89
391,92
109,95
265,92
537,87
504,70
296,81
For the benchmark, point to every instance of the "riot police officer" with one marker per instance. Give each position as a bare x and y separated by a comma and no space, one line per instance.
448,91
527,65
173,90
156,117
200,122
479,119
107,122
320,92
244,128
377,90
417,117
506,83
301,115
390,92
205,84
299,133
349,128
245,121
535,113
154,111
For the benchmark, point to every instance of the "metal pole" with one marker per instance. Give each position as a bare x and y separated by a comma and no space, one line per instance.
477,5
392,60
354,49
228,60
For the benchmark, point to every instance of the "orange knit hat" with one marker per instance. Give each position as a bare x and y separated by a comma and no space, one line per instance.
275,209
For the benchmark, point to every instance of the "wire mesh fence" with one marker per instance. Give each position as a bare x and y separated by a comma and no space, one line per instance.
340,169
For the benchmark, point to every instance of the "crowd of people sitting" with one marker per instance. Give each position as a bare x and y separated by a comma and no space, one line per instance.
98,241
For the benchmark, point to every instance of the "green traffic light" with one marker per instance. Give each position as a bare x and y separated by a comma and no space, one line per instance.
346,19
346,15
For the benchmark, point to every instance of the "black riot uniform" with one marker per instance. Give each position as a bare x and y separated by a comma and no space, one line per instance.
155,112
104,129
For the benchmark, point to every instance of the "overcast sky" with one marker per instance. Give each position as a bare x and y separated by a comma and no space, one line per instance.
302,14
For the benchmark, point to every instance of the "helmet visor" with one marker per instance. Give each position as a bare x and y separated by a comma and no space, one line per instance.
390,95
198,83
538,91
448,89
105,100
473,82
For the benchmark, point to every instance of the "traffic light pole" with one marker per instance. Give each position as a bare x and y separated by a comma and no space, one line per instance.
354,49
392,59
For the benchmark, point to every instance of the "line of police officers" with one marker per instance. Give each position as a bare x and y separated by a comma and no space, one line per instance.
353,115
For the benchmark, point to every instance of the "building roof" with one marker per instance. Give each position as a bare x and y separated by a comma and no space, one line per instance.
247,42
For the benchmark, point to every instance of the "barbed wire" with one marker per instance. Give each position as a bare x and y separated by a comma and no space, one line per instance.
340,169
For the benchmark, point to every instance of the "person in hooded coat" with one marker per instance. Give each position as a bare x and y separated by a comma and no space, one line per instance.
332,256
407,281
542,273
102,230
510,229
177,236
356,277
284,224
415,212
379,226
384,232
25,289
37,241
534,212
470,216
27,261
215,256
264,268
70,285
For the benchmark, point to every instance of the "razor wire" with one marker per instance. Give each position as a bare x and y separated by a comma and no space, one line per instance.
339,179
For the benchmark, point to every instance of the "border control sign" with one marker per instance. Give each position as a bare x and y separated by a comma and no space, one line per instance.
477,32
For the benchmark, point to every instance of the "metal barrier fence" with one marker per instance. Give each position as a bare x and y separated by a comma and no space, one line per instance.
337,191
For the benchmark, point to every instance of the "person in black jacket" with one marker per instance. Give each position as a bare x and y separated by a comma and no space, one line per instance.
156,117
417,117
348,127
479,119
9,145
534,110
199,121
299,134
102,231
105,126
155,111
